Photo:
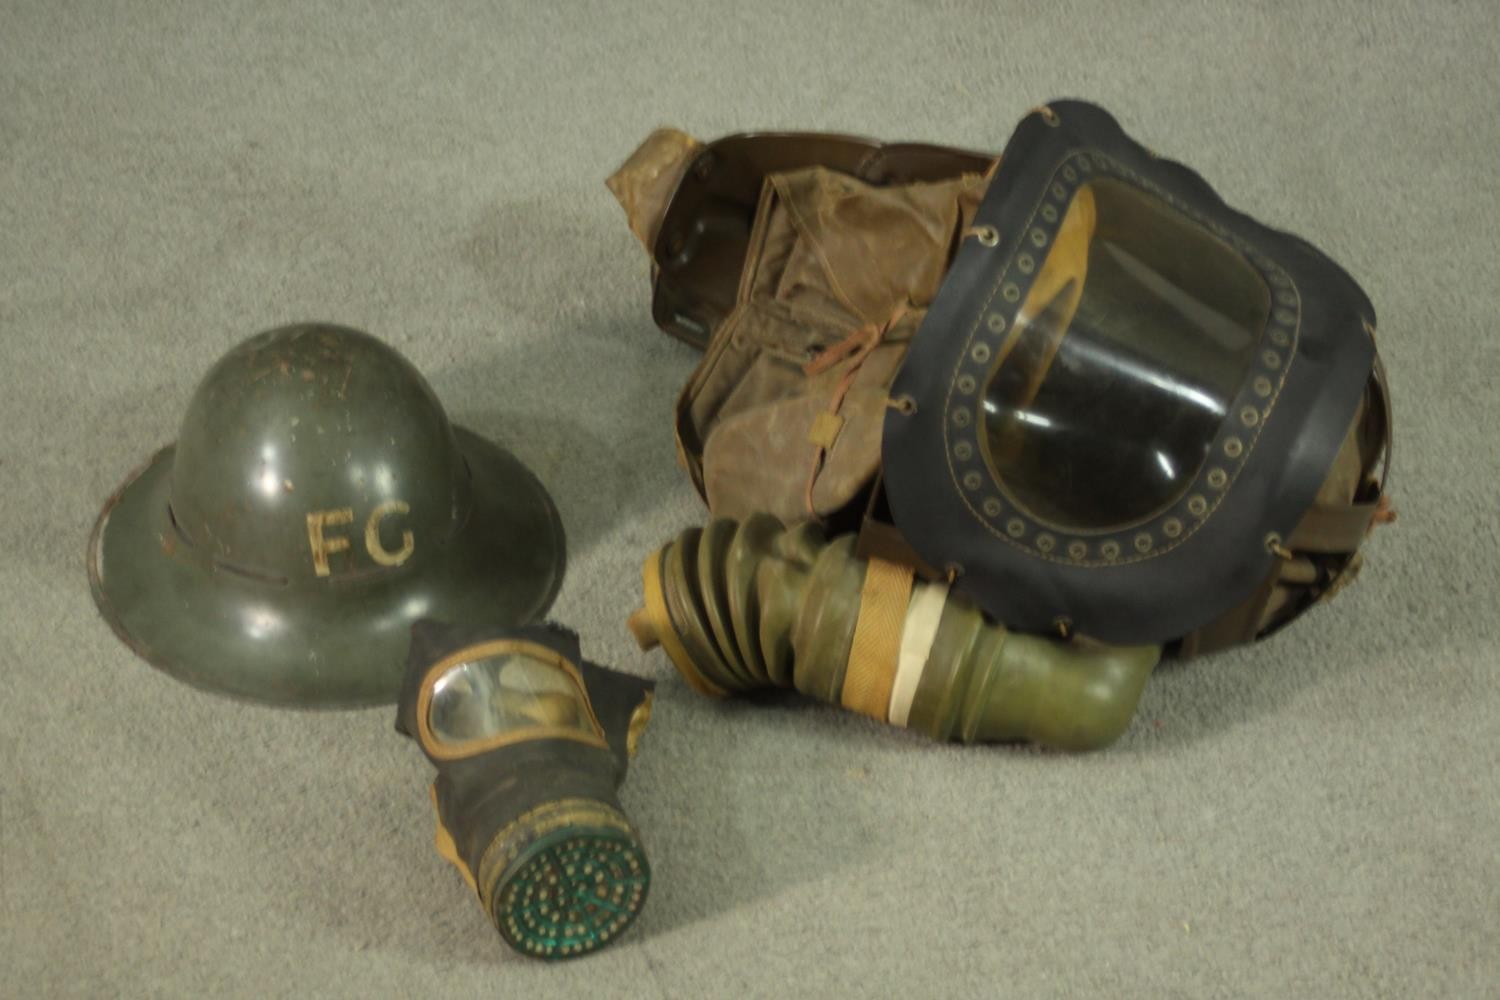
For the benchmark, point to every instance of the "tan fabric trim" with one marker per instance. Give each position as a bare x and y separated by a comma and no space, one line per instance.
638,721
665,632
446,848
876,649
512,840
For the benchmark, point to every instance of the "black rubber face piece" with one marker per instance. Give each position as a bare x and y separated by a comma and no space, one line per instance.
1120,325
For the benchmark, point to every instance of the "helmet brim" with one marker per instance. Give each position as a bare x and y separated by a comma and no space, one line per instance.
329,642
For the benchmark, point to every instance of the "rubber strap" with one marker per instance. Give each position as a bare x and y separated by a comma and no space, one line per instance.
873,656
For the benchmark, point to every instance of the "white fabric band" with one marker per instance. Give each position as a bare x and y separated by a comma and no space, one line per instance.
922,617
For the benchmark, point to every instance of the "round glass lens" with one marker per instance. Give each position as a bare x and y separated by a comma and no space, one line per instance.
506,693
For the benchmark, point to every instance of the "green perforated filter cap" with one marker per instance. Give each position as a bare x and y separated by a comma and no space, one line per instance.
578,879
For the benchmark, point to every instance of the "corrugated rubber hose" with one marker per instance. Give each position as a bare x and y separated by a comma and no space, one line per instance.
752,604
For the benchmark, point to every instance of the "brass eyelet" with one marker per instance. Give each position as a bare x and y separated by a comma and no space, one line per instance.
903,404
1274,546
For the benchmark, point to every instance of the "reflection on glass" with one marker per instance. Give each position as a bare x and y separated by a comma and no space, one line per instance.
1121,362
505,693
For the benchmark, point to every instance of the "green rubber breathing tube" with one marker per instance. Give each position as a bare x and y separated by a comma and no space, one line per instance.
745,605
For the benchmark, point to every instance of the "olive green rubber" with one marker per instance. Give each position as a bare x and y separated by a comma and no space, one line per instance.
755,605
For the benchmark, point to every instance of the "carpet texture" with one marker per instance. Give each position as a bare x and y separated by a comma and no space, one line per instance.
1315,816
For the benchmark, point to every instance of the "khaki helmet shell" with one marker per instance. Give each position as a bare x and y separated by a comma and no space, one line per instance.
316,503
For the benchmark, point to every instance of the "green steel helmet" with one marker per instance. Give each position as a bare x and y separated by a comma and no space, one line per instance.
316,503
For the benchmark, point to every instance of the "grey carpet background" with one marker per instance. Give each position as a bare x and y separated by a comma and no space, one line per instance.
1313,817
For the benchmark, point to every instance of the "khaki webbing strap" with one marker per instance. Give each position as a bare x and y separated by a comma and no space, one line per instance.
1333,528
1239,625
876,651
1342,528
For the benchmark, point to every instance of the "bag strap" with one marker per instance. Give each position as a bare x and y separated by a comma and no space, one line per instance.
1342,528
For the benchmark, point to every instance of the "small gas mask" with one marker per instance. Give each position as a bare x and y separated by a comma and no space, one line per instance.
531,743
